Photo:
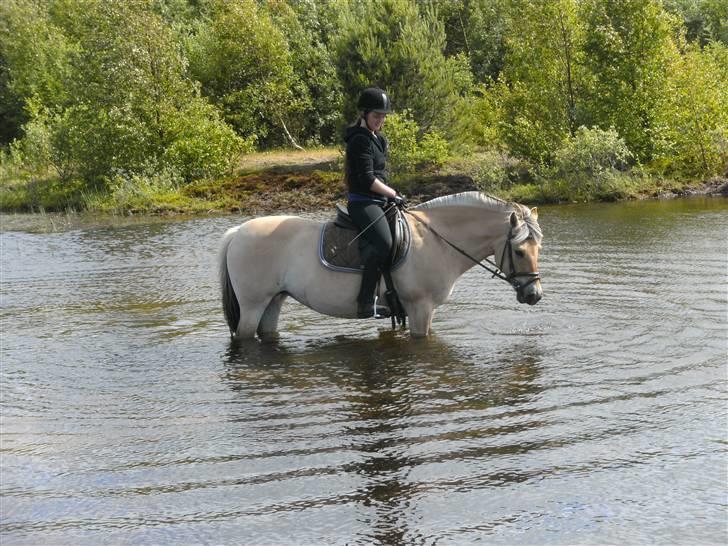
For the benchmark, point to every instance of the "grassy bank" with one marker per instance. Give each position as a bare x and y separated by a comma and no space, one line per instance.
290,181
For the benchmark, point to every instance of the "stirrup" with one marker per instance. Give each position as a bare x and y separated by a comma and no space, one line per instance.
373,310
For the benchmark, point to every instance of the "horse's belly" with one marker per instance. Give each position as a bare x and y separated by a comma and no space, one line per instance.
280,254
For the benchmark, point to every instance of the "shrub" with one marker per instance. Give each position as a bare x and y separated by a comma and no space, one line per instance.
411,148
591,160
202,146
493,170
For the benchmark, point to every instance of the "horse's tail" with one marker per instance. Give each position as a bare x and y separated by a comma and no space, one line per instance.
230,305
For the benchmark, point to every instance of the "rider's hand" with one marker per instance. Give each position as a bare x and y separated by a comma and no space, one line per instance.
400,200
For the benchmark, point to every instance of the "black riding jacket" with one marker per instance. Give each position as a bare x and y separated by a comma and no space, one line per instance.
366,158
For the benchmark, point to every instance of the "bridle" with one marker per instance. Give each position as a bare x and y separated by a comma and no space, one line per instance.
512,278
495,269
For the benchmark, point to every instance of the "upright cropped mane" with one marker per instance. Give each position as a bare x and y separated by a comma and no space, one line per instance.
529,227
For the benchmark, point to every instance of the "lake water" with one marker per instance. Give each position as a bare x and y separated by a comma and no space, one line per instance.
597,416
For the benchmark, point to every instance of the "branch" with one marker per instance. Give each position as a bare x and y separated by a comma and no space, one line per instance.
285,129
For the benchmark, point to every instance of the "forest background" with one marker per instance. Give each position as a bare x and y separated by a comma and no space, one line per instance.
153,105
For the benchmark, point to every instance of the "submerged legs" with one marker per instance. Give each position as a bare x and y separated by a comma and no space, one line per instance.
268,325
260,317
420,318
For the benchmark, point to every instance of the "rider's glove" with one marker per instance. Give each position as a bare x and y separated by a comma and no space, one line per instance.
400,200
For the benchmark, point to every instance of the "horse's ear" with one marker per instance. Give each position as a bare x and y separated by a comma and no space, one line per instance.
534,213
514,220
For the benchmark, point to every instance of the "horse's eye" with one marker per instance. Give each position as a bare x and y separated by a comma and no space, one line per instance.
519,253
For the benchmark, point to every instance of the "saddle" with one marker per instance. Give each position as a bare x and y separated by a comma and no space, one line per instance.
337,252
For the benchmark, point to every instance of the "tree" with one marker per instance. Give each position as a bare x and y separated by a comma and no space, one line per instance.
34,56
477,29
544,81
696,111
629,49
121,102
704,20
316,81
244,65
399,47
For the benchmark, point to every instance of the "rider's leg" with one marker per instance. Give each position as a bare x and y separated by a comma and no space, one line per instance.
376,243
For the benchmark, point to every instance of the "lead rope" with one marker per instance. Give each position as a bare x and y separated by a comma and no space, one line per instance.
496,272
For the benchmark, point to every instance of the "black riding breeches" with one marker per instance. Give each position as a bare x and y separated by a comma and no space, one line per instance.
375,244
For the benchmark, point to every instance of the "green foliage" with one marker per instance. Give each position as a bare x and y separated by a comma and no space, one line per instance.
591,165
493,171
129,192
244,65
131,99
477,29
704,20
477,119
399,46
543,99
411,149
34,56
316,82
121,101
695,113
591,158
629,48
201,145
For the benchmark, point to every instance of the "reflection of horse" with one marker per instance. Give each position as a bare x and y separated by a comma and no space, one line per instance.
387,410
266,259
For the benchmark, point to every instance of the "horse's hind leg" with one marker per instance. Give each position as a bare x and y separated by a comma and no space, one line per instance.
268,325
250,316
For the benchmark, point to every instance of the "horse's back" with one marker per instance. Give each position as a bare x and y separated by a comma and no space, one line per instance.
264,246
273,230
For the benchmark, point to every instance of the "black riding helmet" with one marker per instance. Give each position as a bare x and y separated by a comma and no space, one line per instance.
373,99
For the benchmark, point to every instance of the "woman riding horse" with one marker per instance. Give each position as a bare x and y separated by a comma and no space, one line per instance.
366,180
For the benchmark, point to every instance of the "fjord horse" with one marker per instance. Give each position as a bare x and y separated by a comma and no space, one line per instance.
267,259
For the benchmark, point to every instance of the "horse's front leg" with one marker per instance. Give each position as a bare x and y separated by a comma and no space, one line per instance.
420,317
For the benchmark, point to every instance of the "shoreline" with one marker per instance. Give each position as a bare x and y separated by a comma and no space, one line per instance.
294,182
58,221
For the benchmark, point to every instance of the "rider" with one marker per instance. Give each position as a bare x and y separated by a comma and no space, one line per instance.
366,180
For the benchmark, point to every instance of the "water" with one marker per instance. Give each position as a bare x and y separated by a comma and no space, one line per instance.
597,416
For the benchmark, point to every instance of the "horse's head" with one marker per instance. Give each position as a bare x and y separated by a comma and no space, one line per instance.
518,255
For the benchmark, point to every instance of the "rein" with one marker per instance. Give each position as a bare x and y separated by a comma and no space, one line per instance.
494,269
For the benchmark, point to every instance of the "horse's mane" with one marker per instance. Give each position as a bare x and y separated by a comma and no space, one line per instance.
529,227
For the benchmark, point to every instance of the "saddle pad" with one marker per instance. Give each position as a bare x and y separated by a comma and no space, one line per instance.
336,253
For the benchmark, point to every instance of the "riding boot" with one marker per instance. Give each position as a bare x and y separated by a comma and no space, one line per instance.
365,300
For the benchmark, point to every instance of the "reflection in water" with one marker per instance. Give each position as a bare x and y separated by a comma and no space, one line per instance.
383,388
599,414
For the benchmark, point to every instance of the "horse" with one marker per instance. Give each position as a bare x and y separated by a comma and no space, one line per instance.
266,259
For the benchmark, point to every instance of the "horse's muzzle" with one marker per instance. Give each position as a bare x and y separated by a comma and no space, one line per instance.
530,294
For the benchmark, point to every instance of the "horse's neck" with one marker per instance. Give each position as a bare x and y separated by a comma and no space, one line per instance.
472,229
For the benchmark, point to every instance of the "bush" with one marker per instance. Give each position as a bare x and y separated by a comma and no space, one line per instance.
147,190
244,65
410,148
202,146
591,160
493,170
